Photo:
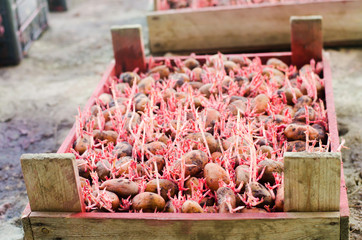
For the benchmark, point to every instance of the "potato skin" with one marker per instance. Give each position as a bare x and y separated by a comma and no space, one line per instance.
169,207
260,103
213,173
322,135
279,199
237,106
303,101
165,187
212,116
290,110
122,187
122,165
84,183
216,155
105,98
242,175
191,63
155,147
141,101
277,63
192,184
145,85
82,143
123,149
190,206
298,132
259,191
132,120
160,163
269,166
300,115
109,136
211,141
266,150
197,74
83,168
289,94
299,146
230,66
181,79
114,200
148,202
103,169
223,195
130,78
162,70
205,90
272,72
198,159
111,112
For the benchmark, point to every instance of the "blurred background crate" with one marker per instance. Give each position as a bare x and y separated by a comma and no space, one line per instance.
21,22
58,5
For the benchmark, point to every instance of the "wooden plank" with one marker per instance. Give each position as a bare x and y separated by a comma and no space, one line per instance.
334,138
261,27
312,181
128,48
344,209
25,221
52,182
181,226
331,110
306,39
155,5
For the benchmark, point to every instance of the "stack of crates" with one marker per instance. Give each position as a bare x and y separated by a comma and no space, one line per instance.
21,22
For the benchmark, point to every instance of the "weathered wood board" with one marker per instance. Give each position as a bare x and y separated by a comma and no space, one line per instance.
52,182
182,226
259,27
312,182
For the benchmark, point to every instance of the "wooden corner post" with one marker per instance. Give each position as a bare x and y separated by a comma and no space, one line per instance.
155,5
312,181
52,182
306,39
128,48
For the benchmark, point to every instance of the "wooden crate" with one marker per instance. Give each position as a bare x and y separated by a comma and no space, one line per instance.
23,22
58,5
258,27
56,209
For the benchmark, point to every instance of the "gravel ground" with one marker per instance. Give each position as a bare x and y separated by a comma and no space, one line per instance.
39,98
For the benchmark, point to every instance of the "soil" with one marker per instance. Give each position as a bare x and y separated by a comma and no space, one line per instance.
39,98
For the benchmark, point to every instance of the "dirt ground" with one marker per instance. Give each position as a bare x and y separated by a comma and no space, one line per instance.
39,98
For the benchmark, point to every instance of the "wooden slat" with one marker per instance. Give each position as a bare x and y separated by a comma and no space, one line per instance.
261,27
344,209
306,39
155,5
52,182
128,48
25,221
159,226
312,181
331,110
334,138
